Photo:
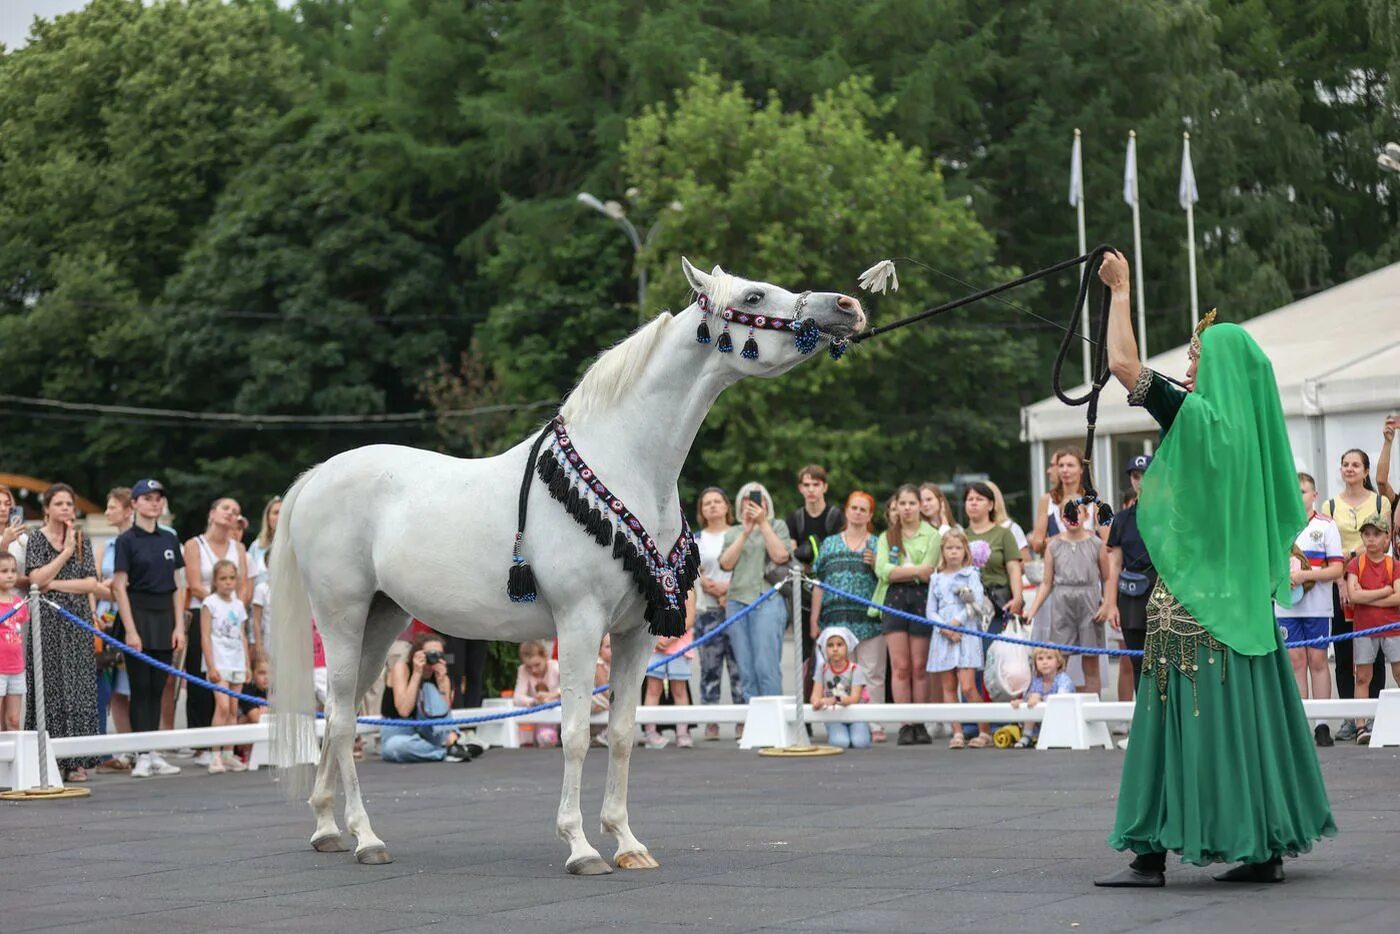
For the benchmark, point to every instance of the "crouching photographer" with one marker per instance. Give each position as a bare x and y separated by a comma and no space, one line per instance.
420,689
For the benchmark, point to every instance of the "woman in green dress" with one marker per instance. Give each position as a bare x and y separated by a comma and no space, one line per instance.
1221,766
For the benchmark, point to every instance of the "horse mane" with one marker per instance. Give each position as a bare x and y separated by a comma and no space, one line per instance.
614,370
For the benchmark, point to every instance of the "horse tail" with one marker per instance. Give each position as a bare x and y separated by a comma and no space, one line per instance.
292,731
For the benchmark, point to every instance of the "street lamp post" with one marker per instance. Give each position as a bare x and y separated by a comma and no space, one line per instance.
639,243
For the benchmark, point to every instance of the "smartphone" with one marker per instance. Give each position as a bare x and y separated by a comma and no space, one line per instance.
17,515
756,497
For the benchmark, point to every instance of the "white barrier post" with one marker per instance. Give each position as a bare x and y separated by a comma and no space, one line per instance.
502,734
1066,727
1385,731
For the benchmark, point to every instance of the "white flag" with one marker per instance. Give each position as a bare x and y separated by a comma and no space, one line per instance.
1130,181
1186,193
1076,174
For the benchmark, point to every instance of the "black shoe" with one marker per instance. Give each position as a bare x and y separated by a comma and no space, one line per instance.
1272,871
1323,735
921,735
1132,878
906,735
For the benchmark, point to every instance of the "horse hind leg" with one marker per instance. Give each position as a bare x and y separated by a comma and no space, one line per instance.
326,838
630,653
384,622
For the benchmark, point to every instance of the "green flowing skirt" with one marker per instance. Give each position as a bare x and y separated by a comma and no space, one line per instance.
1221,766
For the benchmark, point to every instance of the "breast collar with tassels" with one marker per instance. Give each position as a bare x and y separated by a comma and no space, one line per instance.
663,581
805,330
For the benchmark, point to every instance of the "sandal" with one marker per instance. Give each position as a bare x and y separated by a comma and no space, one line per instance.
76,775
877,735
957,742
980,741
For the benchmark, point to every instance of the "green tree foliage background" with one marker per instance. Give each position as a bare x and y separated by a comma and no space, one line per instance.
368,207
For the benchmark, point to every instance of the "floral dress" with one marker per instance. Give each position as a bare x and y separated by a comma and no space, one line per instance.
70,671
846,570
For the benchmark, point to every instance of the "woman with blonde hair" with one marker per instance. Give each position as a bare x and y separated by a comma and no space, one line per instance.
933,506
748,547
1002,517
260,551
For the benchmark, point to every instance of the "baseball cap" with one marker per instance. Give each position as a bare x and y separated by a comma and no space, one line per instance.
1377,522
142,487
1139,463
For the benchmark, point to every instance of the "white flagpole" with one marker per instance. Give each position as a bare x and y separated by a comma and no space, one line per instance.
1076,198
1188,195
1130,193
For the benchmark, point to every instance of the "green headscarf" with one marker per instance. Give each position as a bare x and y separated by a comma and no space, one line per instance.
1220,507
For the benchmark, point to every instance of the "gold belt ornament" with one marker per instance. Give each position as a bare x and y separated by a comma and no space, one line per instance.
1173,643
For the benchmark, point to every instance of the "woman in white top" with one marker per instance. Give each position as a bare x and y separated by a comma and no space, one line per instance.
260,551
1003,518
714,515
218,543
933,506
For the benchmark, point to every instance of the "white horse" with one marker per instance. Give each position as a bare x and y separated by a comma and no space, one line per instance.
381,533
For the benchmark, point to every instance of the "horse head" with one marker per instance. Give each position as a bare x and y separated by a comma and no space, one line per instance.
763,329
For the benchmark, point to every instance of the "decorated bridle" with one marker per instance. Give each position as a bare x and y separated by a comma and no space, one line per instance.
806,332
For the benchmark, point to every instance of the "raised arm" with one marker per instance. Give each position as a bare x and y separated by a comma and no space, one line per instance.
1383,462
1123,359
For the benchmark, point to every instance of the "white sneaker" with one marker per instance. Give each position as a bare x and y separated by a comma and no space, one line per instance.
216,764
203,757
142,769
161,767
234,764
656,741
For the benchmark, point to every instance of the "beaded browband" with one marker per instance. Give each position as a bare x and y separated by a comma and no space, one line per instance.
806,332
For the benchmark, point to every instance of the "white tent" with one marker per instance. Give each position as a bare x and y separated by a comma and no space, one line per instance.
1336,358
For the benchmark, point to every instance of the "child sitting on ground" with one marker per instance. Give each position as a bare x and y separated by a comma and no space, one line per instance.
839,682
1049,678
12,687
221,625
249,712
677,672
538,683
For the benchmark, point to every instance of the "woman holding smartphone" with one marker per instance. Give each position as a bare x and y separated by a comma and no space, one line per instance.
748,547
59,562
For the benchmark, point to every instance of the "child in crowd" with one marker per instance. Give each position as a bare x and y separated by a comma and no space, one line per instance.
1076,565
1049,678
954,595
249,712
1373,583
677,672
12,688
602,674
260,625
839,682
538,683
221,620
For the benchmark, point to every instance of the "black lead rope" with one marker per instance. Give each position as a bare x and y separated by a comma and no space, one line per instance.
1098,374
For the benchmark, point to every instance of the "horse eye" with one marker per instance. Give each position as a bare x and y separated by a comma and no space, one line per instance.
754,298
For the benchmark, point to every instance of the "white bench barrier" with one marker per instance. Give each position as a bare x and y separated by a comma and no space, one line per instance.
1068,721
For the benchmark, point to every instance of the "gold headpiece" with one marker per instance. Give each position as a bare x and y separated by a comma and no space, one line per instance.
1194,350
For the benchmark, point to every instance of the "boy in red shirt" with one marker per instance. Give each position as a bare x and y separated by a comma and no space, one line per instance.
1371,583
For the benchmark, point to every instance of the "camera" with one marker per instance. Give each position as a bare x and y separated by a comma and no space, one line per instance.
434,657
756,497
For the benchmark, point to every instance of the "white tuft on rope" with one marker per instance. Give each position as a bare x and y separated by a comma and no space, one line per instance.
880,276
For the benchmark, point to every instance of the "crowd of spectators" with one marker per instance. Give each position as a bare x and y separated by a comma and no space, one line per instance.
206,606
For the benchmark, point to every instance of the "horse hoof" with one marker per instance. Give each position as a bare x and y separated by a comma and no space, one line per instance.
593,865
373,856
330,843
642,860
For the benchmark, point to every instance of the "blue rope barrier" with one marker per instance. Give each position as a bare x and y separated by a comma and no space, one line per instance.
14,609
384,721
1069,649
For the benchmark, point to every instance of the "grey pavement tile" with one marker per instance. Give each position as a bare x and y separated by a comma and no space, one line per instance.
890,840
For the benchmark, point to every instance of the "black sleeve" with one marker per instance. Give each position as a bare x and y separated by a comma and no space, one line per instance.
835,520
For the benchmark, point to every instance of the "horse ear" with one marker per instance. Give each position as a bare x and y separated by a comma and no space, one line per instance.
699,281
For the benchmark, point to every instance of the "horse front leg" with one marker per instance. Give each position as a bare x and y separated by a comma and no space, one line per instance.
630,653
578,652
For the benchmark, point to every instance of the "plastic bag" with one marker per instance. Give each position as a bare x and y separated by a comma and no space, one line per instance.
1008,665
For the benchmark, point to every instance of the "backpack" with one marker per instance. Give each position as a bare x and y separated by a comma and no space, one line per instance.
1331,506
1389,568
